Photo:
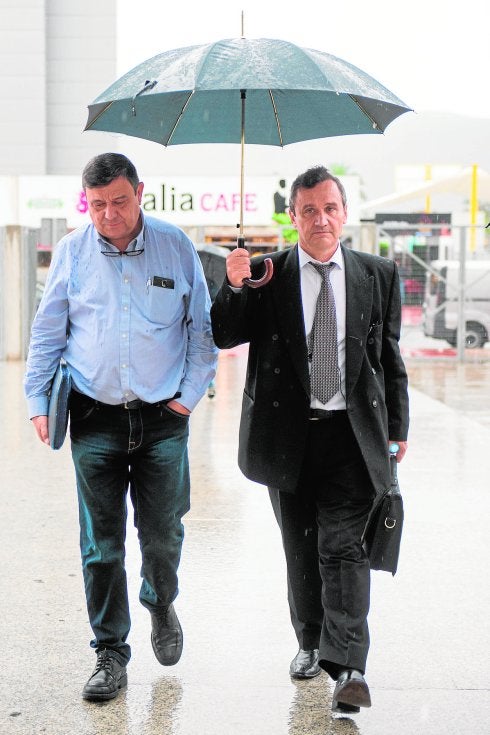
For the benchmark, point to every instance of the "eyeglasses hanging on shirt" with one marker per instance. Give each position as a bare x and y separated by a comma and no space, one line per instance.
117,253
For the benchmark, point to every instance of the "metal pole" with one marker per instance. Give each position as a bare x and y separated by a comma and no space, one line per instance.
461,333
473,207
428,177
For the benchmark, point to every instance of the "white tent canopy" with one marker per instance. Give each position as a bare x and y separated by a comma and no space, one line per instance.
460,183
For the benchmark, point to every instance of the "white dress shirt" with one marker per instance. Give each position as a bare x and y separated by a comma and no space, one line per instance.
311,282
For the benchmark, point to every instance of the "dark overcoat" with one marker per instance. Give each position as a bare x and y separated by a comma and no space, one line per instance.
276,398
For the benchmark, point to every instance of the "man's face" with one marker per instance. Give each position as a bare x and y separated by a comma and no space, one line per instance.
319,217
115,210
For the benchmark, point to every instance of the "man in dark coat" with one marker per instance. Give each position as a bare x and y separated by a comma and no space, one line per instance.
324,460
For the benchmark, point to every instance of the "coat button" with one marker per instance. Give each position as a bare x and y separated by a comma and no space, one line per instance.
370,341
277,370
275,336
275,404
374,403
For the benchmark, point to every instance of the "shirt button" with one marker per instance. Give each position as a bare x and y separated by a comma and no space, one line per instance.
123,366
374,403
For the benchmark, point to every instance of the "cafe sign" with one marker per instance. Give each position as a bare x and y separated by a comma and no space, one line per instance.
184,201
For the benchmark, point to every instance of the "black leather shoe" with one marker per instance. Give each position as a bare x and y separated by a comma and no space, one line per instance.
305,665
166,635
351,692
345,709
108,678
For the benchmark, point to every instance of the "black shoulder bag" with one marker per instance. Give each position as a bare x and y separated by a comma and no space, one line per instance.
383,532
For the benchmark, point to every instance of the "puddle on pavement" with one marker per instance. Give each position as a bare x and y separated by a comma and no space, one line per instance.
465,387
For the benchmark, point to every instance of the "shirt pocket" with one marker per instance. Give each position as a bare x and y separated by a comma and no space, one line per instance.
165,305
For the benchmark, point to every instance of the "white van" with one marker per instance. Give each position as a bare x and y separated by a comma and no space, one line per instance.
441,302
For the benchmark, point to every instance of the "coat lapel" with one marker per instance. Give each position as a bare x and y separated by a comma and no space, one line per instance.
359,296
289,308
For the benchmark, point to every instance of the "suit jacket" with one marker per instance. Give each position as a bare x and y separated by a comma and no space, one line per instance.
276,398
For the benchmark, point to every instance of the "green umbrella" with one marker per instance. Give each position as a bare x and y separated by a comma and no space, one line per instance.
199,94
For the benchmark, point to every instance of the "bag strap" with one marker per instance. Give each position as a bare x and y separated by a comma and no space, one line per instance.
393,468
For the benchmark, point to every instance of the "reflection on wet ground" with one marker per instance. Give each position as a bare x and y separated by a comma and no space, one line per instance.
308,713
464,387
428,625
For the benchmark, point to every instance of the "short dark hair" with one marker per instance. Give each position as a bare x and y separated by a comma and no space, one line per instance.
311,178
104,168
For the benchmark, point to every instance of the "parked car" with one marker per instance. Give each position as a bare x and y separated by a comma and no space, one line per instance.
442,296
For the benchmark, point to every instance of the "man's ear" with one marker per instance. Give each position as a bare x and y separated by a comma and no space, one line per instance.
139,191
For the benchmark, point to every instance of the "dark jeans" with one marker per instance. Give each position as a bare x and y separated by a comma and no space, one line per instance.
321,526
114,449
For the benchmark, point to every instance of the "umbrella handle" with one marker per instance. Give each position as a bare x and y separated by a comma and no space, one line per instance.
257,283
269,269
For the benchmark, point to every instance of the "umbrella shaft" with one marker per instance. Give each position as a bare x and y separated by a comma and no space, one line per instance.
243,95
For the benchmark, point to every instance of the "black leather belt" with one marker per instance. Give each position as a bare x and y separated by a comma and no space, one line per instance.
137,403
129,405
319,414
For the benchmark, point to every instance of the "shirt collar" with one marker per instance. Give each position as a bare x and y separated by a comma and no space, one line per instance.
336,258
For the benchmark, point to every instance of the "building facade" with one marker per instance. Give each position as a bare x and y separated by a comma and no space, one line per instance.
55,57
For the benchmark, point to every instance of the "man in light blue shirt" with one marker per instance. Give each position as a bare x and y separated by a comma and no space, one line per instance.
127,307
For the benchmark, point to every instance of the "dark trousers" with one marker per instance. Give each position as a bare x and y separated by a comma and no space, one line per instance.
321,526
145,450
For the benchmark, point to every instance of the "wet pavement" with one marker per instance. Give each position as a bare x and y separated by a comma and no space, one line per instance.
428,668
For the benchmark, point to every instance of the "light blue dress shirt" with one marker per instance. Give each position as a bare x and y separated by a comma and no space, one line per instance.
128,327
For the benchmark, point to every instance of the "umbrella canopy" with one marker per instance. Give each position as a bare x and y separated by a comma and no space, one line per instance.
192,95
198,94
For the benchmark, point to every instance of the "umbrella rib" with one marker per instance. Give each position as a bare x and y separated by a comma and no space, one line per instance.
101,112
365,112
281,143
179,118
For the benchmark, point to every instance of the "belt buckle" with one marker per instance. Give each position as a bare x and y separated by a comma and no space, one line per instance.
315,414
132,405
322,414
